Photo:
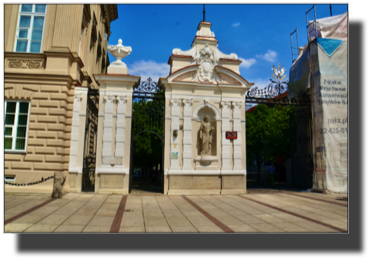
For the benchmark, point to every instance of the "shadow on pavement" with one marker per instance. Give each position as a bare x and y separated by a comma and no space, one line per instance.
142,186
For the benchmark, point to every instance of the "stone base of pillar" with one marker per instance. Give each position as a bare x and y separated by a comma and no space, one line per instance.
234,184
75,182
113,183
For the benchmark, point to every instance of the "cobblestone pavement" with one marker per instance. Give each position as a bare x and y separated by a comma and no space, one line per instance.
255,212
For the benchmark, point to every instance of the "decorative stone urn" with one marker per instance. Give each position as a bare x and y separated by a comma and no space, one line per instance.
119,52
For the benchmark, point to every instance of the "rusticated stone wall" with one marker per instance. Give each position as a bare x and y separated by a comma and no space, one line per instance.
48,145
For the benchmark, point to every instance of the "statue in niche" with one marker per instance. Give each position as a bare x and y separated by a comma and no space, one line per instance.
206,136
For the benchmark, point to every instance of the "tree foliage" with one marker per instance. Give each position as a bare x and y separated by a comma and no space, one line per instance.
268,133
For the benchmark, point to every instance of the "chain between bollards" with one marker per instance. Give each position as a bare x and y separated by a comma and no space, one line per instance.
33,183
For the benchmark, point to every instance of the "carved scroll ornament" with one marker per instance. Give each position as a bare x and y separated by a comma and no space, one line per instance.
24,64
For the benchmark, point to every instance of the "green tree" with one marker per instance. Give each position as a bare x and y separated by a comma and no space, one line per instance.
268,133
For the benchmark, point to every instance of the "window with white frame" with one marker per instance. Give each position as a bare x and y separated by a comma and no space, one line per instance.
30,28
16,125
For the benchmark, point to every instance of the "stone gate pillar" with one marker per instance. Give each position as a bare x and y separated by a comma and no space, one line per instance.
199,157
114,125
77,139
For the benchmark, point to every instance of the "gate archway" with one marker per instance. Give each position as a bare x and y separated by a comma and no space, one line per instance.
147,138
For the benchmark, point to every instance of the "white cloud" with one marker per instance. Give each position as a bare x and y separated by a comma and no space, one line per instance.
268,56
247,62
236,24
149,68
260,83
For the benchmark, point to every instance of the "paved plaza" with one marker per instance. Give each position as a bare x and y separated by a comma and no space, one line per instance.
255,212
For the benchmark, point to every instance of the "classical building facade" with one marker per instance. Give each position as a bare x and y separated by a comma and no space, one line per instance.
51,54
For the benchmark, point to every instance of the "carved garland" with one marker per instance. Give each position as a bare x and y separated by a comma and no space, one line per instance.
175,101
237,104
225,104
188,101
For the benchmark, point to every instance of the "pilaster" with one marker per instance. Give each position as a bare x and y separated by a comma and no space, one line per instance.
77,138
236,105
187,127
226,164
107,127
120,125
174,161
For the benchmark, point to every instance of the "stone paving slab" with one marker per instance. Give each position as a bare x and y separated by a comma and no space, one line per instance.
271,212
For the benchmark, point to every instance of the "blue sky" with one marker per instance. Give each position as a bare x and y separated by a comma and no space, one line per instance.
259,34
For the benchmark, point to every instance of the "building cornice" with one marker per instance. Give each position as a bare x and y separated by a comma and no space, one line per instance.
33,78
227,60
176,56
203,23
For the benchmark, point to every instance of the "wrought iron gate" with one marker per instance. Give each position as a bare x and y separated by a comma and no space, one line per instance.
300,125
302,150
148,116
90,137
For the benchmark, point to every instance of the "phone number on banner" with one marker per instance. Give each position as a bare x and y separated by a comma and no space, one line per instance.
333,130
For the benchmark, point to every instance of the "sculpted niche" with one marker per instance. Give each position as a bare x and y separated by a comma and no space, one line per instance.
206,136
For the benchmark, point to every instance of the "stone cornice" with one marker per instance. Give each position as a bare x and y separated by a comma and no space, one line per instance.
203,23
230,60
24,55
34,78
118,79
205,39
175,56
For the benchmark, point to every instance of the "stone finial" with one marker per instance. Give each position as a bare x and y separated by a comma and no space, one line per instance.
119,52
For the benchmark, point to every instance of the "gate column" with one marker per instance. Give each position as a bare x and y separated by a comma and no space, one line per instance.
77,139
207,162
115,120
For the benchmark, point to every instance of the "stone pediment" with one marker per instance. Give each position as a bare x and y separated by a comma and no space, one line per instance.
223,76
228,80
185,77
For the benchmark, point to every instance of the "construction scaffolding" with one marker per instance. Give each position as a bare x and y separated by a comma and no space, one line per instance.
320,73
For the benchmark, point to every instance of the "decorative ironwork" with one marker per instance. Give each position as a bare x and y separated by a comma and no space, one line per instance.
89,160
272,93
147,89
277,86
